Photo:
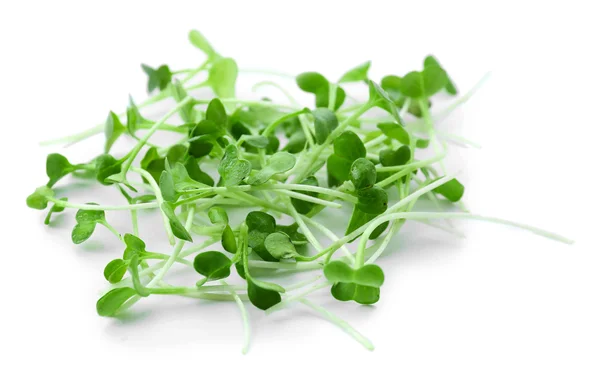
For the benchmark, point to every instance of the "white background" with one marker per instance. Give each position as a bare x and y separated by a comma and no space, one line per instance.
500,304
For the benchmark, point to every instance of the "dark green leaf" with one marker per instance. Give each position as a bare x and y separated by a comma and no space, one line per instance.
363,173
213,265
228,240
261,297
365,295
106,165
304,207
372,200
349,146
325,123
157,78
178,228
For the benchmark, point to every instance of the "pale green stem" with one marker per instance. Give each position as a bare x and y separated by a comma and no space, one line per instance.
345,326
245,322
163,271
136,149
289,300
159,199
85,206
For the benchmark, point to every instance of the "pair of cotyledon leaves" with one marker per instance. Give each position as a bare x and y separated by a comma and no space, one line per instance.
360,285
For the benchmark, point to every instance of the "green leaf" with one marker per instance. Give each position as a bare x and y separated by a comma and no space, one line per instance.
86,224
262,298
317,84
357,74
363,173
325,123
228,240
167,187
259,142
349,146
260,225
218,215
372,200
411,85
115,270
365,295
232,169
213,265
367,275
195,173
389,157
222,77
134,246
57,166
280,246
434,79
198,40
39,199
296,142
157,78
106,165
113,128
379,98
54,209
392,84
395,131
358,219
422,144
452,190
278,163
178,228
187,113
216,113
134,118
304,207
338,169
108,305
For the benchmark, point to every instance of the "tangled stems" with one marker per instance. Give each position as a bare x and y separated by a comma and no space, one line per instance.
271,160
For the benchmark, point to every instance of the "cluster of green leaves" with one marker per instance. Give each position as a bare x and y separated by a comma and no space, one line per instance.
263,157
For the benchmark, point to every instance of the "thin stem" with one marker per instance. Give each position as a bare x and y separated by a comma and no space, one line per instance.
245,322
289,300
159,200
341,323
85,206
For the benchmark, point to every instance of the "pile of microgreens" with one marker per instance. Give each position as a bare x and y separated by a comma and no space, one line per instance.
275,160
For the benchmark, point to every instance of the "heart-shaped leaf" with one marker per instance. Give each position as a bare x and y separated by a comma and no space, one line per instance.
157,78
222,77
395,131
86,224
365,295
452,190
367,275
317,84
261,295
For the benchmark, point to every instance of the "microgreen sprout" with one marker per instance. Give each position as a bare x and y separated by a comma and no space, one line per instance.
266,160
